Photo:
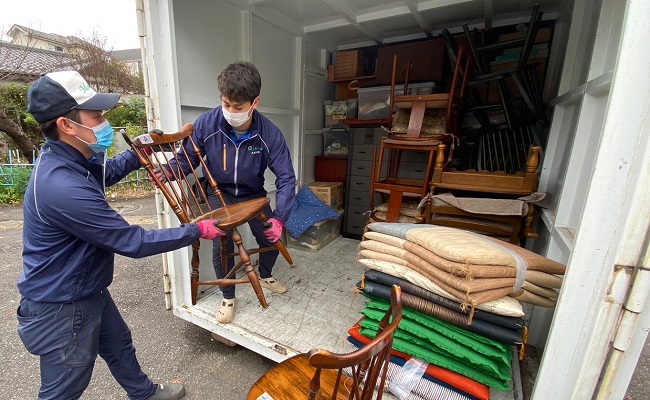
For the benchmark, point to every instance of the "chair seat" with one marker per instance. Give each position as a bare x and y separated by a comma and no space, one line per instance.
290,380
436,100
400,139
235,214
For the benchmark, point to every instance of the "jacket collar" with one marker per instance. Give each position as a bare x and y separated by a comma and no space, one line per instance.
68,152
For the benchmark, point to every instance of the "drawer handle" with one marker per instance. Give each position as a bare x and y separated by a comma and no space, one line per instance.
358,198
419,170
361,167
362,152
359,183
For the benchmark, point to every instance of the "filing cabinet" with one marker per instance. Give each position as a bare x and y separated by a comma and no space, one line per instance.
357,199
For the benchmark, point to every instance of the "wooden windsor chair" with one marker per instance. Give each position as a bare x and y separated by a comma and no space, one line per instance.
388,158
320,374
189,201
487,185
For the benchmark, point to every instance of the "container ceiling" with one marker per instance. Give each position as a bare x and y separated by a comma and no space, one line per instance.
341,24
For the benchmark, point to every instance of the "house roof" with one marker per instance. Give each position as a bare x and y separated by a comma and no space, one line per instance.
50,37
27,64
127,55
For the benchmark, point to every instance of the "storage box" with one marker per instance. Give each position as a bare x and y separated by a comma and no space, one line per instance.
337,110
336,141
330,193
316,236
348,64
375,101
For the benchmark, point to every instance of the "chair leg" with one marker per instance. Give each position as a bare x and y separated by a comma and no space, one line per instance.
194,278
224,254
394,206
283,250
248,267
279,245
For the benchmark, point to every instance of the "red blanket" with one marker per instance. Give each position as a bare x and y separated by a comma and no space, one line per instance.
454,379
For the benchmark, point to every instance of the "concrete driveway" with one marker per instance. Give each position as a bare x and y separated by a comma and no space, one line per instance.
169,348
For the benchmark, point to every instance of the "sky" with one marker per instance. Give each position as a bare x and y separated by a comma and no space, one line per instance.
114,20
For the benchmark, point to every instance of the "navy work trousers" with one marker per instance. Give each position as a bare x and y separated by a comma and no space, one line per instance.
267,259
68,337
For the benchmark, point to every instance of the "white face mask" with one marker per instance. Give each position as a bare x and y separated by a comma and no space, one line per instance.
237,119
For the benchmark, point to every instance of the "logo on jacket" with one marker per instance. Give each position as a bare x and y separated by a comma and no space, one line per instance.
255,149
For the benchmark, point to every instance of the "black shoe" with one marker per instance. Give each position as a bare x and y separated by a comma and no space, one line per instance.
168,391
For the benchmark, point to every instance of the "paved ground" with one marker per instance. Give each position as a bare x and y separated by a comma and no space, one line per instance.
169,349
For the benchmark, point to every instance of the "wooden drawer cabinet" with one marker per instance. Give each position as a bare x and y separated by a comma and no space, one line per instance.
426,60
331,169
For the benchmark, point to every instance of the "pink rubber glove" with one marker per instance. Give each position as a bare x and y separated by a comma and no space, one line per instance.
160,177
273,230
209,231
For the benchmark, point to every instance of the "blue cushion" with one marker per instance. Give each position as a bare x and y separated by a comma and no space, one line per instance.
306,211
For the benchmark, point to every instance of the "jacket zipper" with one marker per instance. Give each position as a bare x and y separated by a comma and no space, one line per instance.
236,163
237,146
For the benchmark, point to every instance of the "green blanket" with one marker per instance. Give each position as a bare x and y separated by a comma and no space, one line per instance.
437,342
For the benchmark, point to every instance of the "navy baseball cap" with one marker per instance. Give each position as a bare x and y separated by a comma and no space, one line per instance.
57,93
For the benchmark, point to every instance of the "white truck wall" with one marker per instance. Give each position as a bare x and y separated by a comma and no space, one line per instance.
596,171
200,38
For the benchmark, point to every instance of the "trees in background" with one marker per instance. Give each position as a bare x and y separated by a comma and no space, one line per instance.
16,123
94,62
102,71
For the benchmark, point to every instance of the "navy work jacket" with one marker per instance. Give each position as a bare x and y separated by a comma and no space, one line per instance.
242,174
70,233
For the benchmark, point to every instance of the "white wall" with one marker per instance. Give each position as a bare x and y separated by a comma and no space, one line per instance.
188,49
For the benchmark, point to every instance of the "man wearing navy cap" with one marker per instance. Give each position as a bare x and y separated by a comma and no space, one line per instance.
70,236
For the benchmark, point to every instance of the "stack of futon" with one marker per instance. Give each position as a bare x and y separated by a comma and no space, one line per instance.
460,312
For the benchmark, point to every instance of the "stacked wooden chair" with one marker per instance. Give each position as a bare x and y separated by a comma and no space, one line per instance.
386,180
498,185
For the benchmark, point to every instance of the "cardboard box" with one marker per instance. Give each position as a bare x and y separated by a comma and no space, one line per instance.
330,193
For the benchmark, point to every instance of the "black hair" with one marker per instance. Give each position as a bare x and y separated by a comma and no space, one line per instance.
240,82
49,128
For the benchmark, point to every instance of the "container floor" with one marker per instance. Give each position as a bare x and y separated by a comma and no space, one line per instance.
319,308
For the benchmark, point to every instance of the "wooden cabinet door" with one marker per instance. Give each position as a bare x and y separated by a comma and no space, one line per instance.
426,60
331,169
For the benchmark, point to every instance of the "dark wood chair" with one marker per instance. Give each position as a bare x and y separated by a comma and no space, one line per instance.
325,375
388,159
523,75
187,197
487,185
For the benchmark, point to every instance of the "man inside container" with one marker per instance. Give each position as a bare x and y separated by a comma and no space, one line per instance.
70,236
239,145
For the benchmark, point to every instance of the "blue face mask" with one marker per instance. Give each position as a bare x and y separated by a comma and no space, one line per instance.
104,133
